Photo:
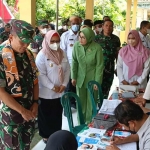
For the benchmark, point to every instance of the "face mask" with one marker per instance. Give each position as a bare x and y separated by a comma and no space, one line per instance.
99,29
65,27
75,28
54,46
45,30
148,31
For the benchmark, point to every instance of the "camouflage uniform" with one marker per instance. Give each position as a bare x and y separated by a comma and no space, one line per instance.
37,45
15,132
61,31
4,36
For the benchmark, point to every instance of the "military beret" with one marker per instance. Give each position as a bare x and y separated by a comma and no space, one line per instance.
98,22
42,22
24,30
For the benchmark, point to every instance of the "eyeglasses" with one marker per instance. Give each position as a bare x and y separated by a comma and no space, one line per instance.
82,37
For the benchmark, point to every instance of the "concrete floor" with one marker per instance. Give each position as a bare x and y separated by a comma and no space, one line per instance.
40,145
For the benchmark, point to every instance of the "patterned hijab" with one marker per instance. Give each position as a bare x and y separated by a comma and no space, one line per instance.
134,57
55,56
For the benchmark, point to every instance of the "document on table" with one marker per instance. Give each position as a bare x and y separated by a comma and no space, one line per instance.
128,146
109,106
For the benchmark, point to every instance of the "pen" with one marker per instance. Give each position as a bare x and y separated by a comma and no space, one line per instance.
112,136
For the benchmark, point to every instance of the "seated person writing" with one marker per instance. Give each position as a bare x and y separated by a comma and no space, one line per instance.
126,114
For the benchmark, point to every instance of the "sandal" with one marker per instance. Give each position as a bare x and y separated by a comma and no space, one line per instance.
45,141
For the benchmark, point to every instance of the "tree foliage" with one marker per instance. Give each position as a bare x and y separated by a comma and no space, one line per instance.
46,9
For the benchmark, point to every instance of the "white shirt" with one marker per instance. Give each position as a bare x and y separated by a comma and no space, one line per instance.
122,72
145,40
48,75
144,135
68,39
147,91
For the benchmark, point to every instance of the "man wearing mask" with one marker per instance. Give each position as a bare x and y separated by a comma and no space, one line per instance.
144,30
43,27
98,26
64,27
68,40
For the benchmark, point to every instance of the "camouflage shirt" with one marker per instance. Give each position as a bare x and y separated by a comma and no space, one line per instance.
37,45
61,31
7,115
109,46
4,36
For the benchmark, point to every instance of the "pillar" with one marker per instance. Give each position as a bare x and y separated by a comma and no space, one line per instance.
134,14
27,10
89,9
128,14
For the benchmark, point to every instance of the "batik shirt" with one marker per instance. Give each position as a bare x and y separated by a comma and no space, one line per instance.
37,45
109,46
7,115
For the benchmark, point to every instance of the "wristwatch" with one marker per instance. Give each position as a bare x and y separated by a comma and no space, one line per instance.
36,101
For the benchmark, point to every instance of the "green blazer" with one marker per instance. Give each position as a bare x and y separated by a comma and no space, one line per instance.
87,64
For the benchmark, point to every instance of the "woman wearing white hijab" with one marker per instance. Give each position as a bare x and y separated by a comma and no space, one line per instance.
54,71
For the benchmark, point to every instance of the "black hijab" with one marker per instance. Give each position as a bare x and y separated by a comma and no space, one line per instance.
62,140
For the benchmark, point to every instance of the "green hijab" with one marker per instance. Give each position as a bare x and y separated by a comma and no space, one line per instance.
89,35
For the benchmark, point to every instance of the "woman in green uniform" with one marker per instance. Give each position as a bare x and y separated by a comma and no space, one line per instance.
87,65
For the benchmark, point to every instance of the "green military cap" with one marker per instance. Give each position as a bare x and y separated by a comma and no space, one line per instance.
42,22
24,30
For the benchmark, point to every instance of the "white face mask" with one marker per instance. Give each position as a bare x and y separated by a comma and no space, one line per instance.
54,46
65,27
99,29
148,31
45,30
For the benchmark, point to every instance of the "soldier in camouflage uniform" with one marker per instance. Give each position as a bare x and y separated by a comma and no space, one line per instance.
18,89
110,44
5,34
43,27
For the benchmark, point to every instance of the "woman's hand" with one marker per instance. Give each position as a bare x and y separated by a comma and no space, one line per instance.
62,88
124,82
95,87
73,81
112,147
134,83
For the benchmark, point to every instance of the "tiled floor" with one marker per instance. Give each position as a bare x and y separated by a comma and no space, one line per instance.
40,145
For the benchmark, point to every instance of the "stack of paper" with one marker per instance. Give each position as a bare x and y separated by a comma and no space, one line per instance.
109,106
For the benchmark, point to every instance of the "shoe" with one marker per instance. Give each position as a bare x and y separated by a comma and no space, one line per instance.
45,141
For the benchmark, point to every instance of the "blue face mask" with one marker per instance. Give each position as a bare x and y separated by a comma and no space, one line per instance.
75,28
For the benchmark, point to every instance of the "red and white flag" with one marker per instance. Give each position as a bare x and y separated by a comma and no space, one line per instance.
5,13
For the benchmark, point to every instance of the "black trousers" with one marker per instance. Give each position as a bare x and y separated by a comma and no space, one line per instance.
71,88
49,116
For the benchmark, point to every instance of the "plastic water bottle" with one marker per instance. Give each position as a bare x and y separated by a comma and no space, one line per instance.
115,94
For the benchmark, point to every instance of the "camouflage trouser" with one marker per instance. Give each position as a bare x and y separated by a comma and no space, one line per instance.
16,137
